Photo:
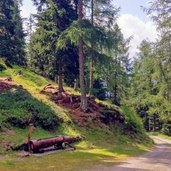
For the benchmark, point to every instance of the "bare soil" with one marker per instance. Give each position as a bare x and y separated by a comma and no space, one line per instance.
5,85
97,113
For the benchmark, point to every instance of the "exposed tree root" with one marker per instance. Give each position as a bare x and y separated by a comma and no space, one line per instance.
96,113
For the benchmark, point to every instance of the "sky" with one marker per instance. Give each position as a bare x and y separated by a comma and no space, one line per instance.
132,21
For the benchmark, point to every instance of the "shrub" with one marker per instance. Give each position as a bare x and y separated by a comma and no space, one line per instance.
133,122
2,67
167,128
19,108
16,121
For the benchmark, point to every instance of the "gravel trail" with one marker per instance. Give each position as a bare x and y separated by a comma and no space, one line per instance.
158,159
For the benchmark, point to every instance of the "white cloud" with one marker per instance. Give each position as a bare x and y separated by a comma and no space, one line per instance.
27,8
133,26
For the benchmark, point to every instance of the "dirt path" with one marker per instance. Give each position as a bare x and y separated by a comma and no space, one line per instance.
158,159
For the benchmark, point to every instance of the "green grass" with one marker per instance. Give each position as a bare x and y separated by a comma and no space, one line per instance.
160,135
165,136
66,161
100,145
18,108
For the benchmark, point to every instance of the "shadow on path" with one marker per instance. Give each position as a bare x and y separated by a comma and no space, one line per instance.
159,159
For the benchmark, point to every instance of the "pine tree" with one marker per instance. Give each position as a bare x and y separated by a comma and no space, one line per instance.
83,105
160,12
12,42
53,20
149,93
103,14
115,69
95,34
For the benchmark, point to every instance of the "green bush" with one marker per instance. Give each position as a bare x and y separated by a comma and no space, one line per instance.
167,128
133,122
16,121
2,67
19,108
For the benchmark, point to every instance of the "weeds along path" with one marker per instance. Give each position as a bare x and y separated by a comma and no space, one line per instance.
158,159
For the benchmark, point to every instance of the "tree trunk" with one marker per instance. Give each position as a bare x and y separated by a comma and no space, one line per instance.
115,93
154,122
91,60
91,77
149,128
76,84
60,83
60,79
83,105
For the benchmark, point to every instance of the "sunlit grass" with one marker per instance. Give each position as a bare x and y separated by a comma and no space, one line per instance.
99,146
89,152
160,135
70,161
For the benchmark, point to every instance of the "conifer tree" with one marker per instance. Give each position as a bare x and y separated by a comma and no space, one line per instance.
91,33
12,42
83,105
52,20
103,14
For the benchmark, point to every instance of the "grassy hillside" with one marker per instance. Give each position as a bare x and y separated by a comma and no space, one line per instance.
100,145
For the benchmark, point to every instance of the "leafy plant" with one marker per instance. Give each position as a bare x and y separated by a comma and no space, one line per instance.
2,67
132,120
19,108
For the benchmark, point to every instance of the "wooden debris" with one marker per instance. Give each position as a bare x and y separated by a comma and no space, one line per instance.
97,113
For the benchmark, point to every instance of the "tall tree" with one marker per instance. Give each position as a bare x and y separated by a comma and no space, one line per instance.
81,61
91,59
116,67
52,20
92,37
12,42
149,90
103,14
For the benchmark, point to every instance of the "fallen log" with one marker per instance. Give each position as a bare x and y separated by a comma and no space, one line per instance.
58,142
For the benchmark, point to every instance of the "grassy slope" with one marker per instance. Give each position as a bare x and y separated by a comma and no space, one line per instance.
100,146
160,135
165,136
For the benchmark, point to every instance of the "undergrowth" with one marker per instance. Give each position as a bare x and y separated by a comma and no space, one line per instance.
99,145
19,108
133,122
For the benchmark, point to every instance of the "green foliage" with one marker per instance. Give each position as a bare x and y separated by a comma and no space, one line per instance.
2,67
167,128
104,45
115,69
19,108
44,56
160,12
133,122
98,147
99,90
91,34
12,35
150,92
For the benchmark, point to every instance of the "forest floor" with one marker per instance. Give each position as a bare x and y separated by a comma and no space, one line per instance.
158,159
101,145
